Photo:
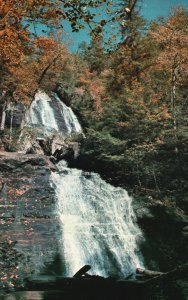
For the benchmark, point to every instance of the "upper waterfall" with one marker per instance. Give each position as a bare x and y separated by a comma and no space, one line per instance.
98,224
51,115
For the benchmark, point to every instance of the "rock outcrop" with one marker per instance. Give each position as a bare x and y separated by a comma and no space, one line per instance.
29,225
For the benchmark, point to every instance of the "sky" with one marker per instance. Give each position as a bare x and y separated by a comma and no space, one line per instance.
150,9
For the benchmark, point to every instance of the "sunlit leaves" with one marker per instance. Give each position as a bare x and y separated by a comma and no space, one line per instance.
172,37
18,15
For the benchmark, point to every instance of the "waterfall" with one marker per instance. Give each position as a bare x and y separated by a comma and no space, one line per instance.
98,224
97,220
50,115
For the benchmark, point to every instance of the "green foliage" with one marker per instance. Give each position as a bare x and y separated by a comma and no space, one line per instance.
9,139
134,140
94,55
102,143
123,97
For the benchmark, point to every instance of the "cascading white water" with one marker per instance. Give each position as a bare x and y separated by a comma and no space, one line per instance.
51,115
70,119
41,114
98,224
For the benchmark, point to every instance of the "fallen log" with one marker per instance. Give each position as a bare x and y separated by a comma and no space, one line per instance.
172,275
83,271
80,277
148,273
99,285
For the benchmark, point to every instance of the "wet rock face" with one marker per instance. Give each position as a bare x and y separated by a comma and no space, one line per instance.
29,226
9,261
164,226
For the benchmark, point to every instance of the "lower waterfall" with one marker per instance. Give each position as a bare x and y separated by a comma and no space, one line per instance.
98,224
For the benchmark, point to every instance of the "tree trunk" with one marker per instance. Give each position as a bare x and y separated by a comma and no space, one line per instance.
47,68
155,180
3,117
3,192
180,271
173,97
11,121
148,273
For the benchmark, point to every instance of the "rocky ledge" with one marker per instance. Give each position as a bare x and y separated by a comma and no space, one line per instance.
29,225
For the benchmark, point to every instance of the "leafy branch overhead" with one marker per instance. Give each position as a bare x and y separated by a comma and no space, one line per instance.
20,49
17,16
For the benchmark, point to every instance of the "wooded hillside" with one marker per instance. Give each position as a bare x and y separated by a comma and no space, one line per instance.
131,96
129,89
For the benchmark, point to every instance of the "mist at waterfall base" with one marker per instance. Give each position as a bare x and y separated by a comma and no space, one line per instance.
98,225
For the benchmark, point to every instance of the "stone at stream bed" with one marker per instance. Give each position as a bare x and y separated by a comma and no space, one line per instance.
185,232
28,295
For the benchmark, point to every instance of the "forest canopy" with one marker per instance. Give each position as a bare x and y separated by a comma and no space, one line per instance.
131,99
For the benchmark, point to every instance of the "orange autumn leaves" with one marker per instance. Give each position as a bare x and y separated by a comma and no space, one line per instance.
19,51
40,70
27,60
13,37
15,17
172,37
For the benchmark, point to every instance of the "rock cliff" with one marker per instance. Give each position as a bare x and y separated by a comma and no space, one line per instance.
29,225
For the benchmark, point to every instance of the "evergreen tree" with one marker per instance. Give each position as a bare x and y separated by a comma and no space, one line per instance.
94,54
